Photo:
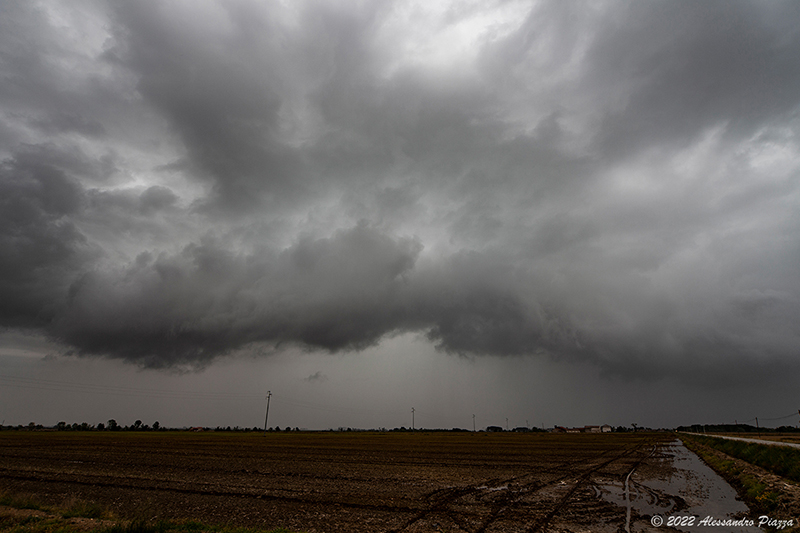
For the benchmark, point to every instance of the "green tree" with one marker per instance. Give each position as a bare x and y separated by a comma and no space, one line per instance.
156,425
112,425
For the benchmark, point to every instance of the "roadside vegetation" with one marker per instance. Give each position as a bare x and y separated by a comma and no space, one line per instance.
781,460
760,496
745,429
25,514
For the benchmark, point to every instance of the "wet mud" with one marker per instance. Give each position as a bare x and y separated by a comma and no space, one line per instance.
674,483
378,482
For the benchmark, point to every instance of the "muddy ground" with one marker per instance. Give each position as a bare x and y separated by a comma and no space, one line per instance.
331,482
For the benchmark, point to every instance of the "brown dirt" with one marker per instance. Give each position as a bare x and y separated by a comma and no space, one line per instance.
329,482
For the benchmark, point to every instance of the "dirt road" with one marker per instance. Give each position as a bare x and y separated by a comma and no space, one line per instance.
745,439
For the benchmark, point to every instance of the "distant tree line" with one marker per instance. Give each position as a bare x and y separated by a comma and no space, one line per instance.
112,425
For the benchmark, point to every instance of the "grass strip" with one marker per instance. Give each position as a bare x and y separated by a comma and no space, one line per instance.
58,520
781,460
20,501
754,492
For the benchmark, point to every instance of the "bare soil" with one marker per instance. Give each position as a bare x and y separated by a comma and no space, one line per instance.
331,482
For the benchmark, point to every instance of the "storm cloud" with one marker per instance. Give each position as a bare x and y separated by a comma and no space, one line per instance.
613,183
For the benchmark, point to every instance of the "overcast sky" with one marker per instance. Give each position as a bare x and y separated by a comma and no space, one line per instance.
552,212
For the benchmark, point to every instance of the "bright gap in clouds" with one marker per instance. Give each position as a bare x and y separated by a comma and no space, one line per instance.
444,39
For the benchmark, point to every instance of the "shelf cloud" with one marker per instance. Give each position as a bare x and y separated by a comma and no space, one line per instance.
613,183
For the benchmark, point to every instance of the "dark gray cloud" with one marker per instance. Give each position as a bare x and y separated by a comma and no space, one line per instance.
615,185
337,293
345,292
40,246
690,67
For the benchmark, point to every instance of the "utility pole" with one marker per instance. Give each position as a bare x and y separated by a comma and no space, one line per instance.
758,429
269,395
412,419
473,423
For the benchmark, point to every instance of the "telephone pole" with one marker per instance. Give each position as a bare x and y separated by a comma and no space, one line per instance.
473,423
412,419
269,395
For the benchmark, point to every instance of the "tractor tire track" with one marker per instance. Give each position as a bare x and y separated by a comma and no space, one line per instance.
442,500
565,500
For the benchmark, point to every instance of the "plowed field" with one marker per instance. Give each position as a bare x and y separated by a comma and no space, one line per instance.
331,482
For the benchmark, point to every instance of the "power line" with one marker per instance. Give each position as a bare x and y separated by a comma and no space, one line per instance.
755,419
781,417
266,417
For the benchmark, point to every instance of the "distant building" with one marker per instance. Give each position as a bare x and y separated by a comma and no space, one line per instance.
494,429
585,429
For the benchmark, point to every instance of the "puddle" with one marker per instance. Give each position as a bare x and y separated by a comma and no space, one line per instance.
492,489
689,488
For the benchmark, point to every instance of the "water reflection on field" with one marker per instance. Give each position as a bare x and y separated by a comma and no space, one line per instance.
675,482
